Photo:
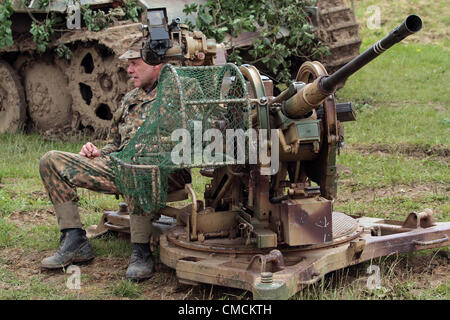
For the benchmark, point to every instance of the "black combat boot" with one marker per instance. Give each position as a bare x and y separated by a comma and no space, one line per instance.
74,247
141,263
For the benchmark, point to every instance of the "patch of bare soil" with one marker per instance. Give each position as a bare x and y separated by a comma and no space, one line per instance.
39,195
348,193
30,218
430,270
410,150
103,273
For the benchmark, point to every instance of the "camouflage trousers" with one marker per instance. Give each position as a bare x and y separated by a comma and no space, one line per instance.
63,172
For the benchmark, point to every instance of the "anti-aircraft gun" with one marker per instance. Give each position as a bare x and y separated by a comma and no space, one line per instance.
264,226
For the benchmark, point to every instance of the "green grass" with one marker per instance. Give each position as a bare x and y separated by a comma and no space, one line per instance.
20,154
415,70
405,73
404,123
19,172
396,207
8,234
398,281
22,200
384,170
436,19
126,289
111,247
14,287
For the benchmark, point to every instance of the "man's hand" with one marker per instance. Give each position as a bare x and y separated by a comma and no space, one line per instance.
90,151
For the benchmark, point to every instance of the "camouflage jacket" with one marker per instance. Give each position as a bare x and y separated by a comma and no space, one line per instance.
128,118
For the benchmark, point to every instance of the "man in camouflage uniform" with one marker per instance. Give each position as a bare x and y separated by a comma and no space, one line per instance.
63,172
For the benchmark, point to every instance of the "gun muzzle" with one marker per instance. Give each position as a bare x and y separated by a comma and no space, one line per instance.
409,26
313,94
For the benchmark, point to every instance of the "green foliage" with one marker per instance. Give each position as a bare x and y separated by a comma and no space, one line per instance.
42,33
63,51
95,20
273,19
6,10
42,4
132,10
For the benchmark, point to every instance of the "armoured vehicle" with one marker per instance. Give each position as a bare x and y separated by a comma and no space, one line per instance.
264,225
47,93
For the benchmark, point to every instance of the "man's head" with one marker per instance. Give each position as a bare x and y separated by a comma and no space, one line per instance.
144,75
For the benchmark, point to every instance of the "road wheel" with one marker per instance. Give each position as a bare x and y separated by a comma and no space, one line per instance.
49,100
12,100
97,82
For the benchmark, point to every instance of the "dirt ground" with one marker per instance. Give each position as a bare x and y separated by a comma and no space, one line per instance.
103,273
100,273
436,153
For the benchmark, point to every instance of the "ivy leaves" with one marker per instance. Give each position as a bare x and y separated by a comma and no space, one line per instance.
132,10
284,27
94,20
97,20
63,51
6,10
42,31
42,4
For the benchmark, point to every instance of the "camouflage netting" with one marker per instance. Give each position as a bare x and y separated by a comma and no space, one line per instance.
192,98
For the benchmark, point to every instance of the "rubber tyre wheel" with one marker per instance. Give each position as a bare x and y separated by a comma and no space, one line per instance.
12,100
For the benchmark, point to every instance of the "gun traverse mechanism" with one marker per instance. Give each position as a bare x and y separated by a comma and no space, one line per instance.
273,234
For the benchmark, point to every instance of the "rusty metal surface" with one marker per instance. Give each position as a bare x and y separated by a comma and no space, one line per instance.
238,246
301,268
308,72
306,221
419,219
343,225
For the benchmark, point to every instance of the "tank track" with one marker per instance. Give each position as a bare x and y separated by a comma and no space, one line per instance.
338,29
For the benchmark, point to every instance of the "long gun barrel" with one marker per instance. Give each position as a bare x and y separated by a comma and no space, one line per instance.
312,95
